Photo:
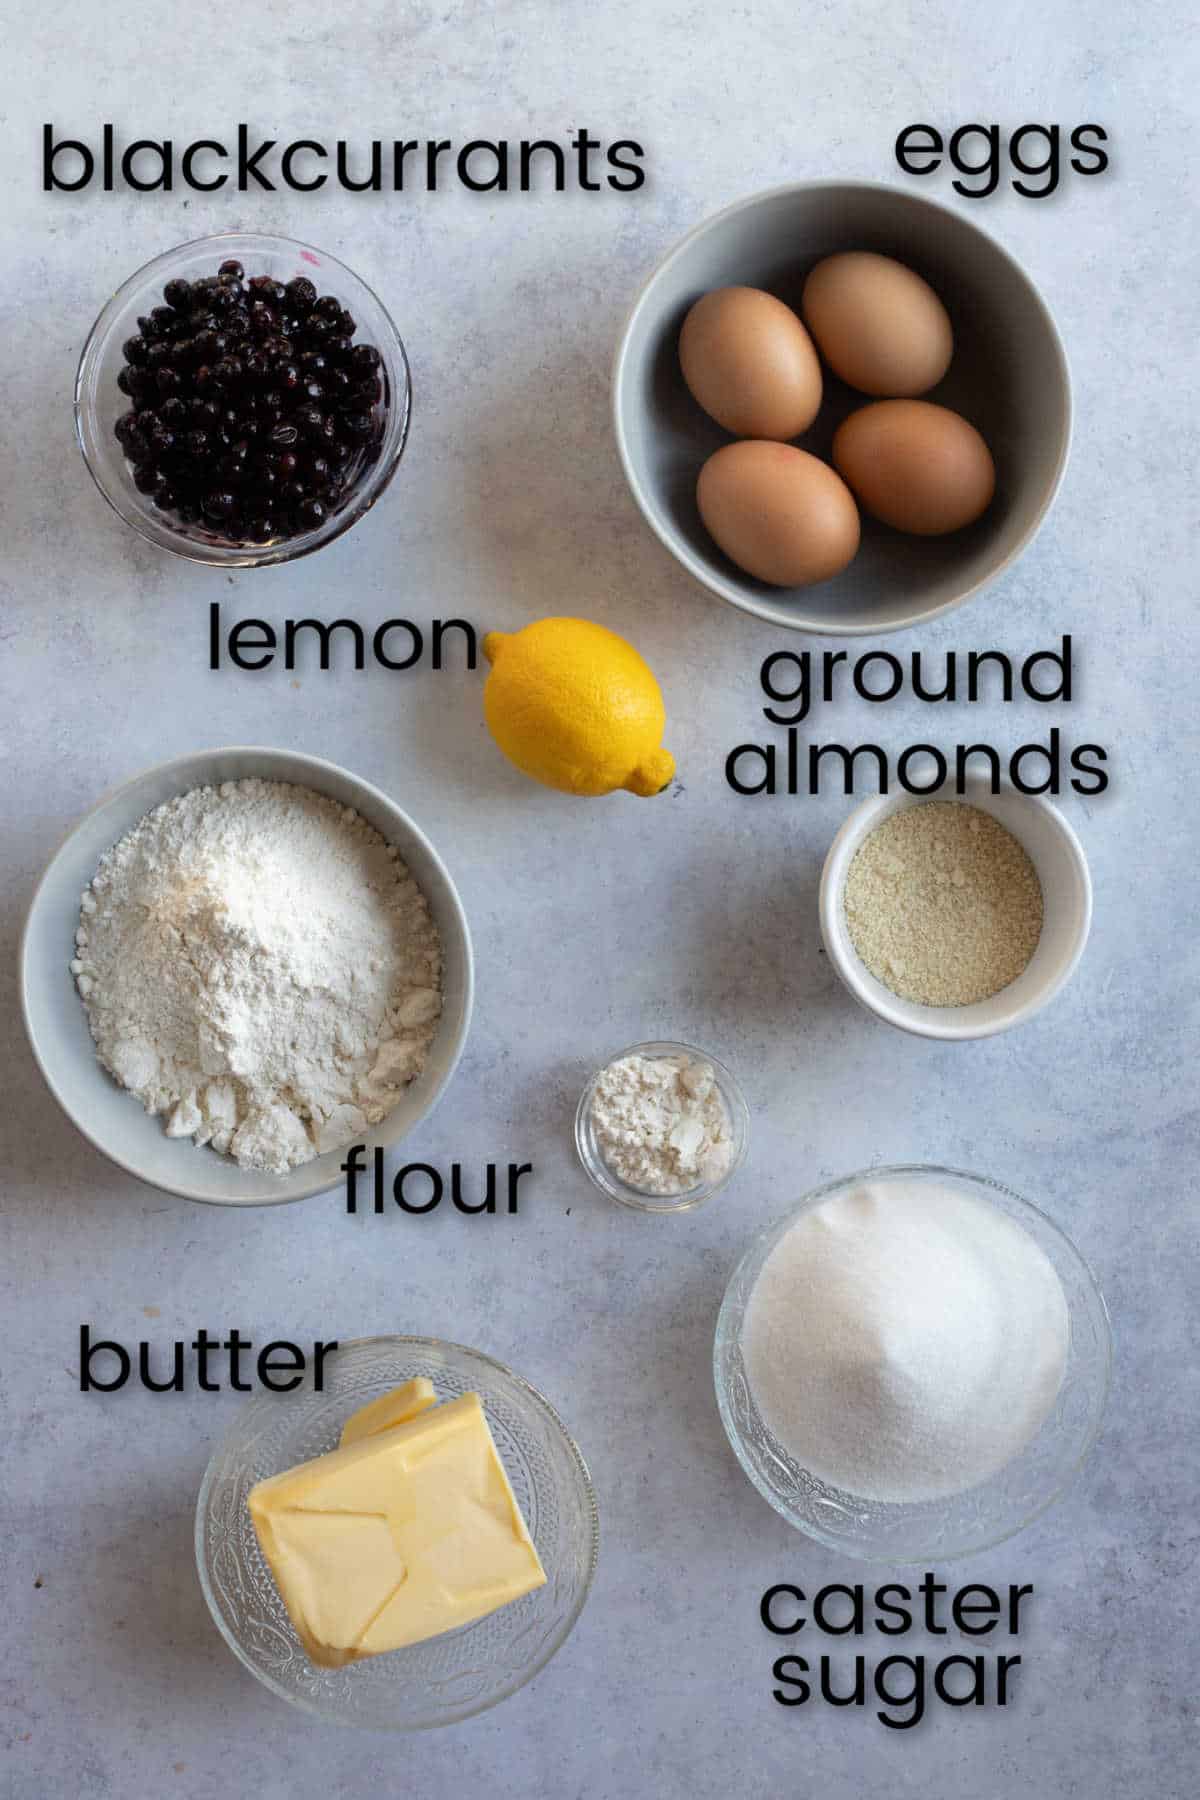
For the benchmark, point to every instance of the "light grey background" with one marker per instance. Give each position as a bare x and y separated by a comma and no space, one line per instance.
597,923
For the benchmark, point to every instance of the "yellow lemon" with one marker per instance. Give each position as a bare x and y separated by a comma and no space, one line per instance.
575,707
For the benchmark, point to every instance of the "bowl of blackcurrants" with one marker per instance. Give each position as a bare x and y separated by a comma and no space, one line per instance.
243,400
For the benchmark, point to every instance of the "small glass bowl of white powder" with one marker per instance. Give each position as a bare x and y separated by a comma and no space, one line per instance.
661,1127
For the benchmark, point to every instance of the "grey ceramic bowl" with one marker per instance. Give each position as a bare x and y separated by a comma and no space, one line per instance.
55,1020
1009,377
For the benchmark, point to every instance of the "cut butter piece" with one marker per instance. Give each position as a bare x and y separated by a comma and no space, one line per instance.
396,1408
396,1536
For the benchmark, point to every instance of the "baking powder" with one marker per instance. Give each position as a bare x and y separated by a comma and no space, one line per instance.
660,1122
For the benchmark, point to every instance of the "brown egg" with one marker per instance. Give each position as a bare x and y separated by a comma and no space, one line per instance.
750,363
878,325
919,467
778,513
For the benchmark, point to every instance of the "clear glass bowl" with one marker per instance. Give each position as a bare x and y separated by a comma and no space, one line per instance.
960,1524
99,402
637,1198
447,1678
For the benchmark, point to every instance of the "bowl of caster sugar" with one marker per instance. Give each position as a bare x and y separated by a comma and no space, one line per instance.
661,1127
240,963
955,915
913,1364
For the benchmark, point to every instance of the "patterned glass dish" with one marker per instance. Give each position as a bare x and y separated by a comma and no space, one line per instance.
959,1524
447,1678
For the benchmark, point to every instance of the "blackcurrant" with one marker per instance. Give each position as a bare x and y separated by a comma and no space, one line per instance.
178,295
301,294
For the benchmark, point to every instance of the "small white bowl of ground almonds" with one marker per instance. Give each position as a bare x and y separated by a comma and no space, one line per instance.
955,916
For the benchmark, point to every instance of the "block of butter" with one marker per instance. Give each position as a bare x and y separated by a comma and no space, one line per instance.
403,1403
396,1536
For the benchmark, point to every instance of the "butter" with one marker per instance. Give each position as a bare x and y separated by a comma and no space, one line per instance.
396,1536
402,1404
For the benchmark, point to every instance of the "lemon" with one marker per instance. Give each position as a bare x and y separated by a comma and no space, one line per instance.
574,706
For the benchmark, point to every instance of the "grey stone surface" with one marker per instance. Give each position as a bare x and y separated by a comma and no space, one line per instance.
600,923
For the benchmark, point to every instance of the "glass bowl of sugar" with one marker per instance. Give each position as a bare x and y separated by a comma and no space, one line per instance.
440,1680
913,1364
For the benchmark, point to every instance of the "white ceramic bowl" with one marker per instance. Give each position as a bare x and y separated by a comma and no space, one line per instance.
1056,854
1008,376
99,402
55,1020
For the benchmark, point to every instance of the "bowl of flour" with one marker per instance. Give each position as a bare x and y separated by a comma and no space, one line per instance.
240,963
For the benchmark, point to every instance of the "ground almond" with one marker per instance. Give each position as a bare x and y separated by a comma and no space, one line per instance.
943,904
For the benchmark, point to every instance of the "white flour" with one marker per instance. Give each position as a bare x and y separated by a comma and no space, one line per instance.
661,1124
259,966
